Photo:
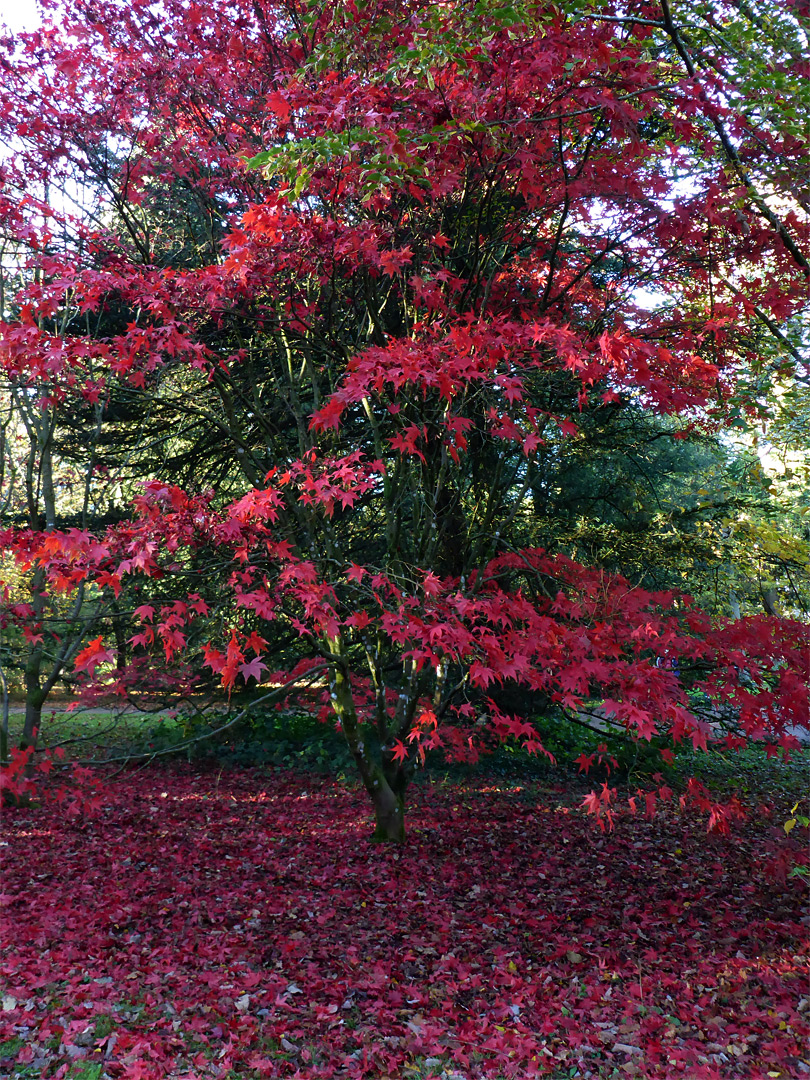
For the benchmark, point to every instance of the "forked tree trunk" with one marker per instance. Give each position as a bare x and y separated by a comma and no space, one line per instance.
385,786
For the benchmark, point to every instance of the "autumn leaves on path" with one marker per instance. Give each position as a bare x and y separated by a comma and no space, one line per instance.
224,925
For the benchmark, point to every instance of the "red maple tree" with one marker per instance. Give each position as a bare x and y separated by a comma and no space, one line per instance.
367,268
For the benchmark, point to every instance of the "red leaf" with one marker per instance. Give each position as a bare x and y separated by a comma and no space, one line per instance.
399,751
253,669
279,106
92,655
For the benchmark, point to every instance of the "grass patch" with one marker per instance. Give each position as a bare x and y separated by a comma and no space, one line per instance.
86,1070
104,1025
99,733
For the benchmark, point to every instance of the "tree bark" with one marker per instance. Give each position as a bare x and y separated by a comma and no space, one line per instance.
770,598
33,719
389,814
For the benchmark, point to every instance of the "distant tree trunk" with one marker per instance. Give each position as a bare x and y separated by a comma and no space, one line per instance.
41,504
4,722
34,694
46,658
119,629
769,599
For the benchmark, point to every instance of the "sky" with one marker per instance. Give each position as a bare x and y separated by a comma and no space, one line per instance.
19,14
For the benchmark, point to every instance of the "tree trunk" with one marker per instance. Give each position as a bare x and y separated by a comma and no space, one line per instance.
33,720
389,814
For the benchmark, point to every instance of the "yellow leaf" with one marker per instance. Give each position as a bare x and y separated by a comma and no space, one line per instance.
789,825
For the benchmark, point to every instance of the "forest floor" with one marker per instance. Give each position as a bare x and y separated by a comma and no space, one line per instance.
210,922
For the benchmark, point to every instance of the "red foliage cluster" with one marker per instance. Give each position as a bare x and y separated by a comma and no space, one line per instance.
198,924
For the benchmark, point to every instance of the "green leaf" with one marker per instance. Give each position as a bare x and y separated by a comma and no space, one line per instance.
260,160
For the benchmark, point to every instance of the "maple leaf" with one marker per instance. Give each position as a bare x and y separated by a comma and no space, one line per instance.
253,669
393,261
213,658
279,106
92,656
360,620
481,675
255,642
198,604
431,584
399,751
584,761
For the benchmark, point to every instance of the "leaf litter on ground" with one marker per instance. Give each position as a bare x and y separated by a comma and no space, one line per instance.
222,924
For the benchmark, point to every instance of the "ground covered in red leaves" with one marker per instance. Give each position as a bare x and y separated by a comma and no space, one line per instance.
224,925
